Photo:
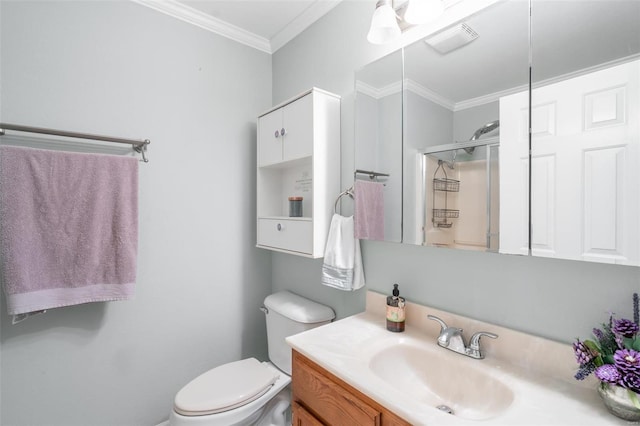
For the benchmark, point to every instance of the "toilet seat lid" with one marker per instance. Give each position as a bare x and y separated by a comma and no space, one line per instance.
224,388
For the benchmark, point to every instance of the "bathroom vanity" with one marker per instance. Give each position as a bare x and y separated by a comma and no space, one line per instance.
354,371
320,397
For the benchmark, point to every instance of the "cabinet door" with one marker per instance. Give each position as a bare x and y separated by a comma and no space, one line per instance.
302,417
333,403
269,138
298,126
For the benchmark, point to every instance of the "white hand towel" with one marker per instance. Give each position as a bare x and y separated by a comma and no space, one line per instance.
342,267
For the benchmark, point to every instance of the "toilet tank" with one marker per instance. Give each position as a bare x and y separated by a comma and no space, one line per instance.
289,314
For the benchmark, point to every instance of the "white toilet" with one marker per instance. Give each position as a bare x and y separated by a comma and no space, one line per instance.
250,392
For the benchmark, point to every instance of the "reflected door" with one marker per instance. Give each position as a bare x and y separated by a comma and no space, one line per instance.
585,158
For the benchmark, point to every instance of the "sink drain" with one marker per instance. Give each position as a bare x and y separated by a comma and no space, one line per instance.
445,408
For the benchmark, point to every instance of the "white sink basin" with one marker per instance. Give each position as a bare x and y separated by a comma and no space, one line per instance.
441,378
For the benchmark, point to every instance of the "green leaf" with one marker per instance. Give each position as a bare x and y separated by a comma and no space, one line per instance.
636,344
634,398
592,346
608,359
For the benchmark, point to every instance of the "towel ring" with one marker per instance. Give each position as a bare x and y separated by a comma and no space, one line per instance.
348,192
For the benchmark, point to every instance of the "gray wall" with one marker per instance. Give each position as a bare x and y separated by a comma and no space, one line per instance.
425,124
389,148
118,68
552,298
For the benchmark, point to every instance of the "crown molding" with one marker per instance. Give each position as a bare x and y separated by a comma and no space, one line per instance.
200,19
378,93
486,99
210,23
303,21
429,94
410,85
367,89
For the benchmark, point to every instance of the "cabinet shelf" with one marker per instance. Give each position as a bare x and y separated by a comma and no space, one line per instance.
287,164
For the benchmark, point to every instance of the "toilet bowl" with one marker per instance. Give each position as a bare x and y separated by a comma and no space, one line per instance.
250,392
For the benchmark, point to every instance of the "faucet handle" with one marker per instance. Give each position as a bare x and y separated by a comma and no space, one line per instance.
443,325
474,343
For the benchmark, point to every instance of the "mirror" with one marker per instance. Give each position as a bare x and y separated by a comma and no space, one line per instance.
585,179
454,82
378,126
585,140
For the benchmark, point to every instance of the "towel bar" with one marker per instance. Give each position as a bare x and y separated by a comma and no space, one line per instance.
138,145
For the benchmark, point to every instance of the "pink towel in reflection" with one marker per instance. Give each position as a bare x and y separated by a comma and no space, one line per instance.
68,228
369,210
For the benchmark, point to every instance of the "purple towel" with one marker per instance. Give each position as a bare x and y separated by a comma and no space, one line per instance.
68,228
369,210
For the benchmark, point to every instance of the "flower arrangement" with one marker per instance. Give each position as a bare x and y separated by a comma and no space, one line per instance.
614,355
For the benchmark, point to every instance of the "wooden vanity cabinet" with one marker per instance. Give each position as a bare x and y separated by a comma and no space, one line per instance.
321,398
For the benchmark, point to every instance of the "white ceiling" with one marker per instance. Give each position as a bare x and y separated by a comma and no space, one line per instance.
266,25
568,38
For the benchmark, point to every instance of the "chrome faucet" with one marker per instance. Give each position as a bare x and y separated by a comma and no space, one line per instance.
451,338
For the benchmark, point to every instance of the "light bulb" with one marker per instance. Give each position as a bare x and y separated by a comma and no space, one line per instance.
384,27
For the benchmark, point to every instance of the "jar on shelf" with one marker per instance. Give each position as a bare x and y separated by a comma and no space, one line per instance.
295,206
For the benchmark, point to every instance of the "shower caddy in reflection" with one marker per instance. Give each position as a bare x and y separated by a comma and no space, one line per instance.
440,216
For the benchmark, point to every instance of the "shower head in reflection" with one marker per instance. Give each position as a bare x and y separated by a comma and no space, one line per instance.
485,129
489,127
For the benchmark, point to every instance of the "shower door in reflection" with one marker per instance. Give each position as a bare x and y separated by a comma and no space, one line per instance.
462,195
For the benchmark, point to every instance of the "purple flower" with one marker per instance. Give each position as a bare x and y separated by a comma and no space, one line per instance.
608,373
582,352
630,381
585,370
624,327
627,361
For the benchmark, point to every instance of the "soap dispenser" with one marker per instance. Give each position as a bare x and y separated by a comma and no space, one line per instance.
395,311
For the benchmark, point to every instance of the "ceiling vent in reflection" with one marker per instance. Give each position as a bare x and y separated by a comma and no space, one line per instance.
452,38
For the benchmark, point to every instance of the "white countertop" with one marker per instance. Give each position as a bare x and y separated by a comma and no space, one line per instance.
539,372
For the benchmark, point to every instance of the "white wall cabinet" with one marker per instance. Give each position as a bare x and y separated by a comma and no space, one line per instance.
298,155
286,133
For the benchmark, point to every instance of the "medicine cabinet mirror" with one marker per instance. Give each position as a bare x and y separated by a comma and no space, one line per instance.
465,93
585,130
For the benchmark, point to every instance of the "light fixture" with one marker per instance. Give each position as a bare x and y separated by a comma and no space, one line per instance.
384,26
423,11
386,23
